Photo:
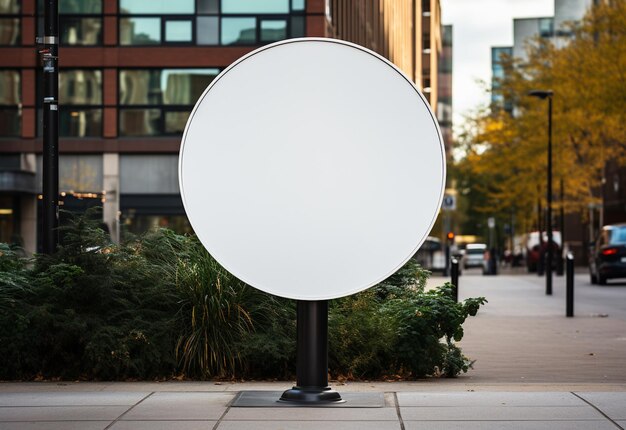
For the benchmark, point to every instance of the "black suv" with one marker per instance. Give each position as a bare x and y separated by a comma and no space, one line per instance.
608,256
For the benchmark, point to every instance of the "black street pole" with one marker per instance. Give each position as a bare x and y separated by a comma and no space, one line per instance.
542,94
312,357
549,202
49,53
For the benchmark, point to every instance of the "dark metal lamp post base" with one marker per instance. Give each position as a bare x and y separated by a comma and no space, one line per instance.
309,395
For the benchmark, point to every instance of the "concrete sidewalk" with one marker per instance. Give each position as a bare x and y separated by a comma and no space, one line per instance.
189,406
534,369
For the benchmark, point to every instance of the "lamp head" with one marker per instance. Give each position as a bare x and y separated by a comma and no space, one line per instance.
542,94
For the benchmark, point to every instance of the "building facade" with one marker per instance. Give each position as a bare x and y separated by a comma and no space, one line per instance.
130,73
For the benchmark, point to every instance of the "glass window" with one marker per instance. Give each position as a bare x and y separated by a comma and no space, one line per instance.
238,31
273,30
80,7
166,86
178,31
546,27
140,31
255,6
207,30
297,4
10,88
10,122
77,122
140,122
139,87
80,87
185,86
9,7
297,26
208,6
160,7
80,172
80,31
9,31
175,122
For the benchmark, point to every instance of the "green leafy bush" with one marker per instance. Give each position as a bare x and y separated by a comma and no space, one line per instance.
160,306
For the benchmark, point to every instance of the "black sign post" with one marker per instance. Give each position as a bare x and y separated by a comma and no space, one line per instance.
312,357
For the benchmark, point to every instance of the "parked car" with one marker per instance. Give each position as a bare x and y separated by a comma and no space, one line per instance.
474,255
536,250
608,254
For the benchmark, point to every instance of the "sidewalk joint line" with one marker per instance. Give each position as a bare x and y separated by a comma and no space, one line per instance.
395,399
599,410
127,411
228,406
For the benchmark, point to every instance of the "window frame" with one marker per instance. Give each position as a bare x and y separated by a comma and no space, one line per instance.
259,17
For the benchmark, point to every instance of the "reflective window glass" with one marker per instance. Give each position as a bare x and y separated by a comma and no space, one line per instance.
139,87
208,6
178,31
80,31
9,7
297,4
273,30
175,122
297,26
207,30
10,91
140,31
10,122
166,86
139,122
9,31
80,87
81,7
238,31
185,86
255,6
80,172
80,122
161,7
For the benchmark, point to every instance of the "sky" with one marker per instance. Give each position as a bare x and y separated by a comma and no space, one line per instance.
477,26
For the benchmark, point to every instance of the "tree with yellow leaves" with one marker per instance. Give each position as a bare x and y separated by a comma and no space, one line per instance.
506,153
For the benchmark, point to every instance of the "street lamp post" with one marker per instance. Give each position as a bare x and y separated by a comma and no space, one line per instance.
547,94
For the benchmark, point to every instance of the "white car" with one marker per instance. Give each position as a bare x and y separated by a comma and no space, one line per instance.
474,255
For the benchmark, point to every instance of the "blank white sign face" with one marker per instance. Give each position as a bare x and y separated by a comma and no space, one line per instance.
312,169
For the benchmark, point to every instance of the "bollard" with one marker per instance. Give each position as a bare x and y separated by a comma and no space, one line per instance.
454,274
569,282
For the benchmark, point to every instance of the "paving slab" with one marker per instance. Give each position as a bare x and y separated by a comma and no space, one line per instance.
71,399
311,414
489,399
508,425
55,425
500,413
61,413
180,406
309,425
163,425
611,404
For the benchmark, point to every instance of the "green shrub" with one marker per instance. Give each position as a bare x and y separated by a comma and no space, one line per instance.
159,305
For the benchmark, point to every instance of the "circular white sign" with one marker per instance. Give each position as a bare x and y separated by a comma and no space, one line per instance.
312,168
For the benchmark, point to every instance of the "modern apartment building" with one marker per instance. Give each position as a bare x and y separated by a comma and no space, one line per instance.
130,73
526,30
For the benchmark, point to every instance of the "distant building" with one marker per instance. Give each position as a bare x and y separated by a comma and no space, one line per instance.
131,71
444,107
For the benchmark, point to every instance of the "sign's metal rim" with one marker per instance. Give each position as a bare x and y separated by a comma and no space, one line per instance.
367,51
